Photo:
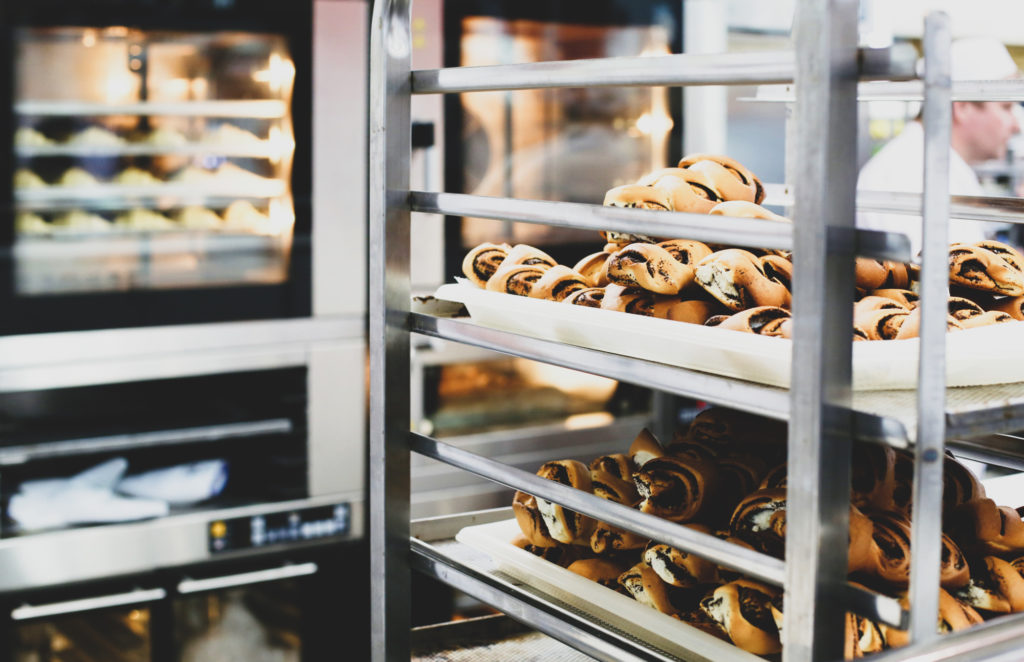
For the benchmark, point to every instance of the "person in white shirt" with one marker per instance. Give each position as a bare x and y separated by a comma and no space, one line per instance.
980,132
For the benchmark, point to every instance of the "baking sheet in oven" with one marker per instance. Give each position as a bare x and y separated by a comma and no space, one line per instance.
622,612
986,355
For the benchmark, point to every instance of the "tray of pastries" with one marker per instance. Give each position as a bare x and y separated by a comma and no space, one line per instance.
726,475
726,310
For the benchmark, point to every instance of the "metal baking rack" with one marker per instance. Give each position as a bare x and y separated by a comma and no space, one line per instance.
824,416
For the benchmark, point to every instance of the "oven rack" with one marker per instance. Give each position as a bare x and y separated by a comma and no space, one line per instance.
270,109
818,406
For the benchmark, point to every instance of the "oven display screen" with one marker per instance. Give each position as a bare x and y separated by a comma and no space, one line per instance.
284,527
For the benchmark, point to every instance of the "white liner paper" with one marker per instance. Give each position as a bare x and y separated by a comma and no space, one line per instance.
623,612
986,355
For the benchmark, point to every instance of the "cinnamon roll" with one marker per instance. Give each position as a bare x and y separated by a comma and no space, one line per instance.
981,269
905,298
778,269
865,306
743,609
632,300
528,255
481,262
646,587
961,308
678,489
680,568
736,278
518,280
650,267
890,558
562,555
591,297
1010,254
959,484
734,181
557,283
762,321
760,521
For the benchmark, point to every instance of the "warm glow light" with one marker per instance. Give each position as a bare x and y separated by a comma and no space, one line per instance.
654,123
591,420
278,74
88,38
175,88
574,383
282,217
118,88
279,144
199,87
655,51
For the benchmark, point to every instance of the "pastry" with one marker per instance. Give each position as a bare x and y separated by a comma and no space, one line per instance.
680,568
628,300
961,308
760,521
591,297
778,269
26,179
981,269
198,218
603,571
980,525
564,525
135,177
530,521
680,310
619,465
166,137
29,223
882,324
865,306
763,321
557,283
875,275
635,196
518,279
650,267
985,319
699,619
743,609
562,555
745,209
905,298
1012,306
522,254
606,538
95,136
646,587
678,489
482,261
775,478
144,220
903,491
75,177
736,278
910,324
863,637
82,221
686,252
953,615
1005,251
1007,578
689,192
959,484
731,179
29,137
242,216
873,476
645,447
889,559
594,268
743,473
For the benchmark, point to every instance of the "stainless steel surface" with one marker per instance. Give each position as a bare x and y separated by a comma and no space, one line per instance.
926,523
43,560
544,613
820,430
875,606
1001,450
336,416
245,578
255,108
79,358
20,454
718,69
910,90
390,140
754,564
764,400
139,596
997,640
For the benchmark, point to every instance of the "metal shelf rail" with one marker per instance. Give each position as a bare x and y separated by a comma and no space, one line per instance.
823,413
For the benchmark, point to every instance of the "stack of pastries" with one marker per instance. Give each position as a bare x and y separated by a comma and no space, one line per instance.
725,475
733,288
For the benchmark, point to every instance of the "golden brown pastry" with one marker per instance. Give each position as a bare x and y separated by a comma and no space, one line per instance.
889,559
680,568
1008,579
646,587
982,526
775,478
650,267
730,178
987,318
863,637
645,447
562,555
481,262
737,279
528,255
635,196
1005,251
762,321
882,324
591,297
978,268
564,525
877,274
594,268
778,269
961,308
603,571
760,521
689,192
611,478
628,300
530,521
910,325
699,619
518,280
905,298
678,489
1012,306
953,615
743,609
686,252
557,283
868,305
690,311
959,484
745,209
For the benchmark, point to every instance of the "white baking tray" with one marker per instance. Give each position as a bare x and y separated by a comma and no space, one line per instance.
646,623
986,355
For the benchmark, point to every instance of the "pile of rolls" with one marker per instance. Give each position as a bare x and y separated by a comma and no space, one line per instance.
733,288
725,475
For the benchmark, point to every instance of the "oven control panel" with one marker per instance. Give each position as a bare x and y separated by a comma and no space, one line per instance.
288,526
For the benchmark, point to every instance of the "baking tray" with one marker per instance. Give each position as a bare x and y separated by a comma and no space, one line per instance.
634,618
981,356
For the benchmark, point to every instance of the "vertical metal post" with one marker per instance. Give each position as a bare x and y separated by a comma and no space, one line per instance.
926,528
817,519
390,153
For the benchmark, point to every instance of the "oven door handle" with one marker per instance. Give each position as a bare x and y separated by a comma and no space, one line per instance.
243,578
137,596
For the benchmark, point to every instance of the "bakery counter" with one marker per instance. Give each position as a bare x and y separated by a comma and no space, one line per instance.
881,416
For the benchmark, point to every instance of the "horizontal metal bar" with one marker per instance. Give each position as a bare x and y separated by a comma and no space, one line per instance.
138,596
997,640
909,90
245,578
752,232
1001,450
876,607
26,452
719,69
764,400
757,565
556,621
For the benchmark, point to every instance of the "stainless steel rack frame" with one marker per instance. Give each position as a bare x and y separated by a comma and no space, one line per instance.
824,415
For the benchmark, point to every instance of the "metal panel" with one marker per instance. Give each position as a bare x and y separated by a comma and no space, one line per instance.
817,516
390,144
336,437
926,523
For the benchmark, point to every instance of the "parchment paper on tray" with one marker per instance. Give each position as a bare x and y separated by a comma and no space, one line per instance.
984,355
